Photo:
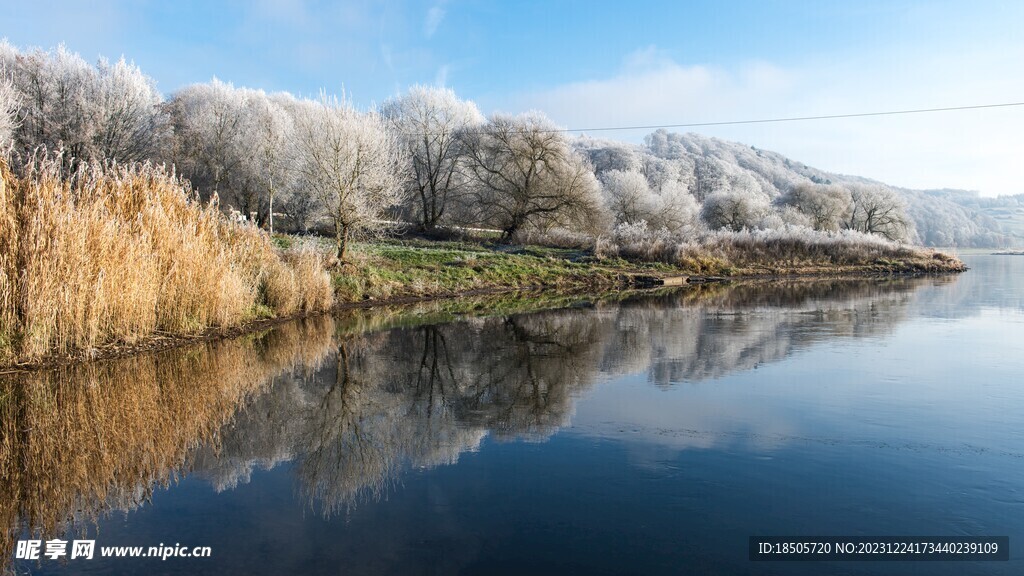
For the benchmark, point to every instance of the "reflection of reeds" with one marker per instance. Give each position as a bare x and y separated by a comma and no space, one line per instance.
80,440
372,400
114,254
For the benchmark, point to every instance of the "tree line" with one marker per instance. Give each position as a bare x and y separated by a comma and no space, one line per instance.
426,158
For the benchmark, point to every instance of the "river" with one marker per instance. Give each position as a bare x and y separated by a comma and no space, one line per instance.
648,434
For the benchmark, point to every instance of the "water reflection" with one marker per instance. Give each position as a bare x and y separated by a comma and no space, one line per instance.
77,441
419,396
353,401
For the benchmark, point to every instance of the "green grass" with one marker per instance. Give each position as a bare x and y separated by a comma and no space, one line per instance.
417,268
420,268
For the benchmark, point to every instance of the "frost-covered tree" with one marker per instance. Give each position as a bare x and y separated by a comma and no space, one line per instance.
8,109
605,155
231,142
709,176
302,210
878,210
732,209
428,121
235,142
272,119
103,112
209,130
631,200
128,124
56,109
660,173
663,144
959,218
525,173
826,207
675,209
349,162
628,196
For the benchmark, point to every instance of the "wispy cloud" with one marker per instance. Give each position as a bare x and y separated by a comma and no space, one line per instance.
434,17
441,78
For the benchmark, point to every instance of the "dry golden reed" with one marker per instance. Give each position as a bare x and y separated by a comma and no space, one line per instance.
115,254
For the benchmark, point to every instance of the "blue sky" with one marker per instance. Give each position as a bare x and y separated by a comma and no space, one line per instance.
615,63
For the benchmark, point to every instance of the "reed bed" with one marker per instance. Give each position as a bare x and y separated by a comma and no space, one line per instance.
113,254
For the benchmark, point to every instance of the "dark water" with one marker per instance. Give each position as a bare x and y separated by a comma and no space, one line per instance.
648,436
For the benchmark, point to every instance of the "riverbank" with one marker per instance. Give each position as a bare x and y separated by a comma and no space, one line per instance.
416,268
125,258
463,276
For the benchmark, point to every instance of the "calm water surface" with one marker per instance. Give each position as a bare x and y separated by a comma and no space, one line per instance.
648,436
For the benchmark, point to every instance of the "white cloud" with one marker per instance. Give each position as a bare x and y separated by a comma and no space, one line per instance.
972,149
434,17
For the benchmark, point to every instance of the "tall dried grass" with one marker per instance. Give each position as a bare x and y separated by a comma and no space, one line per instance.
114,254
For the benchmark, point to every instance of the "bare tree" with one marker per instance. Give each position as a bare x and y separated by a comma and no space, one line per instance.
209,125
428,121
826,207
128,125
301,209
605,155
349,162
628,196
56,110
878,210
675,208
631,200
525,174
107,111
708,176
273,129
8,109
733,209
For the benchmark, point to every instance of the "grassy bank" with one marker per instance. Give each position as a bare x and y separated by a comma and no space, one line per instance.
419,269
395,270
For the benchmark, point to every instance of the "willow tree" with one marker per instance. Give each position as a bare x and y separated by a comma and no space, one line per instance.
525,173
825,206
348,160
429,121
878,210
211,144
110,111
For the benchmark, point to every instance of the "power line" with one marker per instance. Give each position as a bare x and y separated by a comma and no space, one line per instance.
796,118
769,120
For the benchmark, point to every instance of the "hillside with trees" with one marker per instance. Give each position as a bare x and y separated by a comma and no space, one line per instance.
742,186
428,159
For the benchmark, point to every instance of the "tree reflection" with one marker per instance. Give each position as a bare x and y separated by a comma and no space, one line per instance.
354,401
419,396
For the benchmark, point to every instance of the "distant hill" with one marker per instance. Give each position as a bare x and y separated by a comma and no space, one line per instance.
703,164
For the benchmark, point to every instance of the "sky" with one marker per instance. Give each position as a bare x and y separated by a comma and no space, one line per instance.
594,64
